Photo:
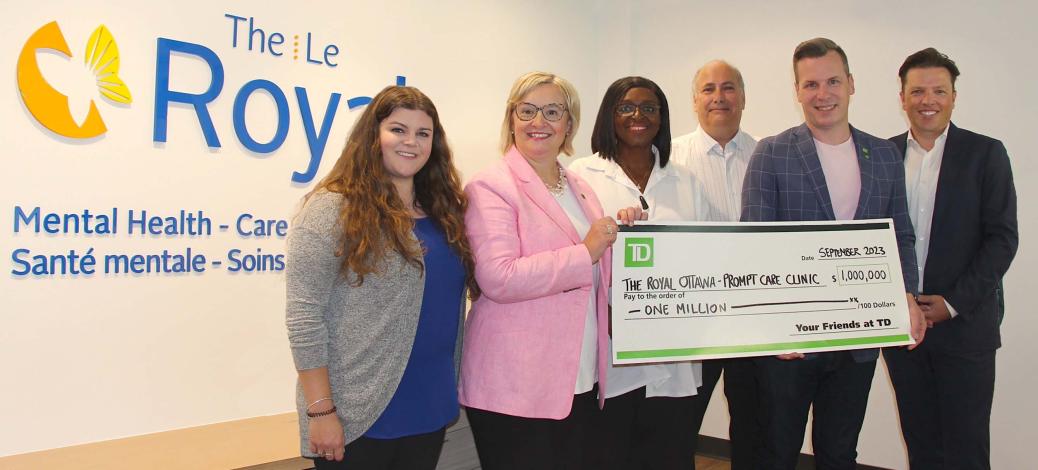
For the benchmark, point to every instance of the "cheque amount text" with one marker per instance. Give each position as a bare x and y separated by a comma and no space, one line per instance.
873,274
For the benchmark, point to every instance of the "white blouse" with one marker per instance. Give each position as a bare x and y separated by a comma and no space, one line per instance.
672,194
587,375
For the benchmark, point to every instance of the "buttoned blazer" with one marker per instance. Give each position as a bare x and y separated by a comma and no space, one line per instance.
785,182
524,334
973,239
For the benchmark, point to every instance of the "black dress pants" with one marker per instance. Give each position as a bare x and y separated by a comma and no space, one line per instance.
837,387
418,452
646,433
741,390
944,401
506,442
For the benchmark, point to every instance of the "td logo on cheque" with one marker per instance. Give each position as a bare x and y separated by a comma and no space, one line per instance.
638,252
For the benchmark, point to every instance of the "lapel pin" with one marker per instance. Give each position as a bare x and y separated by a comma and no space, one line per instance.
865,153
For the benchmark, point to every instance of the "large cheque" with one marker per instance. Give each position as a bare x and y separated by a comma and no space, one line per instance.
711,290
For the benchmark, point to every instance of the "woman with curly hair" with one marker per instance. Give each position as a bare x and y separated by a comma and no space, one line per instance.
378,266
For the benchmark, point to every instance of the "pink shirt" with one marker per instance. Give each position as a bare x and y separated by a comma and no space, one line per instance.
842,176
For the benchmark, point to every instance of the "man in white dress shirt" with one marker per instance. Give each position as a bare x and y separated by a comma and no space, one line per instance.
717,153
962,203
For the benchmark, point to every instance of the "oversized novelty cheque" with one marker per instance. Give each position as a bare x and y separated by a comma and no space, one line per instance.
712,290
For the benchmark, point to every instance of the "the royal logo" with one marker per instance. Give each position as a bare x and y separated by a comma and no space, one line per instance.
638,252
49,106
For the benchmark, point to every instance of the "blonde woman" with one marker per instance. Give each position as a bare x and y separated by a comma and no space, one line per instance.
536,343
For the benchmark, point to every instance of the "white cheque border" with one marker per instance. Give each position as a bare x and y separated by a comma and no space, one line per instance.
897,335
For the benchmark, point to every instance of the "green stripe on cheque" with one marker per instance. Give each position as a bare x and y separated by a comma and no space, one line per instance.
803,346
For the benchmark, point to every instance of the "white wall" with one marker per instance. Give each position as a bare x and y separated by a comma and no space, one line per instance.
88,358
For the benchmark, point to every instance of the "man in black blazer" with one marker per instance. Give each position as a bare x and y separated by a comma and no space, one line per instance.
963,207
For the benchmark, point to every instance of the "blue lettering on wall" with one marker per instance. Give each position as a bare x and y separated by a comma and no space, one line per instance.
315,140
237,261
71,222
164,96
257,39
239,116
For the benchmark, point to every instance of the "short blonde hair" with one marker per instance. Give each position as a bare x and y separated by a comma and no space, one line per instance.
523,86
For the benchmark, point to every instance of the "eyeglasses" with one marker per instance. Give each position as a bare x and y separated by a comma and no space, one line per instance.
647,109
551,112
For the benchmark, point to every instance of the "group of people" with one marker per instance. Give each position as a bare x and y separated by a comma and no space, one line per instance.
387,248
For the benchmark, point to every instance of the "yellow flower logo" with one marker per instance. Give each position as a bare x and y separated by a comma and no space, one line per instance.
49,106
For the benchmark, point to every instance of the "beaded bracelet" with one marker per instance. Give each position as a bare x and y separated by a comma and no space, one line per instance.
321,413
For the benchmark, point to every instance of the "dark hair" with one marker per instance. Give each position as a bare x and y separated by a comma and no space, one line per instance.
603,137
925,58
815,48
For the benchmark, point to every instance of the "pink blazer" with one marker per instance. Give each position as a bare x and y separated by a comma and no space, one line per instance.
523,335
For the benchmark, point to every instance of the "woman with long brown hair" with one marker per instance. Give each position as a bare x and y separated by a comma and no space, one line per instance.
378,266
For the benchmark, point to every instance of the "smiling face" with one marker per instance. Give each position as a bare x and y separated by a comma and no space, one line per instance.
928,97
538,138
824,90
638,129
406,138
719,100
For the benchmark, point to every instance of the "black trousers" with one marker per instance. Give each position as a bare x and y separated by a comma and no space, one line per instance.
741,390
506,442
837,387
944,400
418,452
655,433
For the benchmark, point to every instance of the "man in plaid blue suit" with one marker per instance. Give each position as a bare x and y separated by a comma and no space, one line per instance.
825,169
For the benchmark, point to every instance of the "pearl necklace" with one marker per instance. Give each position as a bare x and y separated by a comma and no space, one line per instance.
560,186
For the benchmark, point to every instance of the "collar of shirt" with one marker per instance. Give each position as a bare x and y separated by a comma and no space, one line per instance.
937,145
613,171
704,140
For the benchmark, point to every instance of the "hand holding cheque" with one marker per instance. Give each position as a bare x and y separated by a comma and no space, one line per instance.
711,290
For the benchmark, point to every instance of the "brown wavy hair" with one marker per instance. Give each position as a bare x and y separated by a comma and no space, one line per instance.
373,217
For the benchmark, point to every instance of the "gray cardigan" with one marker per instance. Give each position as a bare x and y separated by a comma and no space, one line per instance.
362,334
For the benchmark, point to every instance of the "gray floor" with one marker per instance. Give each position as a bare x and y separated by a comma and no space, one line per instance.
459,453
